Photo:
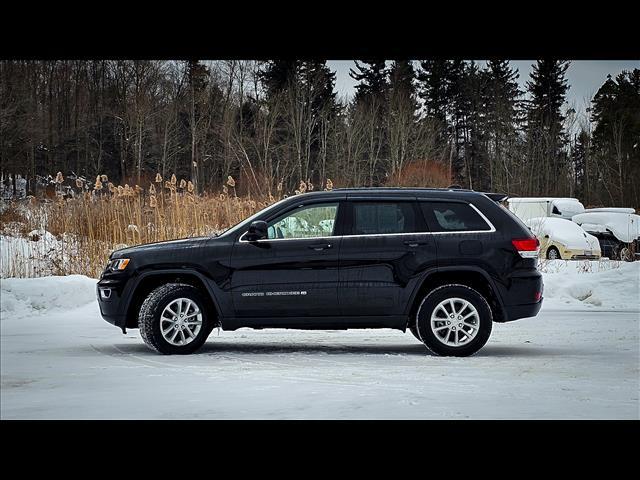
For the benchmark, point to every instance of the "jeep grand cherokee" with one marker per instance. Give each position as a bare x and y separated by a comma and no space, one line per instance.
442,263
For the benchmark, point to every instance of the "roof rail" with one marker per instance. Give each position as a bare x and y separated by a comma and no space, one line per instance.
496,197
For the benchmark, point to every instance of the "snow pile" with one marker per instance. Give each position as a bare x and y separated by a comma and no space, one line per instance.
611,209
568,207
591,284
26,297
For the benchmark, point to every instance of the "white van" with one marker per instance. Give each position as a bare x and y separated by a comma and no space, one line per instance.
527,208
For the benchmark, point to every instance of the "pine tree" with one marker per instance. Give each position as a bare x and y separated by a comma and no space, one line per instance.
472,109
616,135
503,119
370,104
278,76
373,78
434,90
401,118
580,164
546,137
318,83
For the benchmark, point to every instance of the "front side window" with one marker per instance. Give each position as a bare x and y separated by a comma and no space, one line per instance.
371,218
453,217
310,221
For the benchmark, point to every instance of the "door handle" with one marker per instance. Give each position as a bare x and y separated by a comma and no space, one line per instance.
320,246
415,243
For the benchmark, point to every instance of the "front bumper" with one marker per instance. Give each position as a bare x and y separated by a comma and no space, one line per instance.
109,294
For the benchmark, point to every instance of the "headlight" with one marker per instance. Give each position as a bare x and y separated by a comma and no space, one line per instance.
118,264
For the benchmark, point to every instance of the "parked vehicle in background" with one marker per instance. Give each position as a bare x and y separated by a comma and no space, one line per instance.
533,207
617,230
563,239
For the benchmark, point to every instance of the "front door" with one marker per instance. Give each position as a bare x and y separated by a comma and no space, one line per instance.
293,272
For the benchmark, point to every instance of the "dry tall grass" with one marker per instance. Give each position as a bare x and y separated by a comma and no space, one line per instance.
88,220
97,219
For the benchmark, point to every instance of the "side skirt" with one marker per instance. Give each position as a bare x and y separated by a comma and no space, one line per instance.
398,322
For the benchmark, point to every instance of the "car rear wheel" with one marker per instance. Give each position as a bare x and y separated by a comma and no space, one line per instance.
454,320
174,319
625,254
553,253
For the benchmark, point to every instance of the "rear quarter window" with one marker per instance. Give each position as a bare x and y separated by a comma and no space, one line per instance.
453,217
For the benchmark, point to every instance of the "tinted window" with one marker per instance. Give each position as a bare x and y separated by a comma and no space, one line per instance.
453,217
370,218
305,222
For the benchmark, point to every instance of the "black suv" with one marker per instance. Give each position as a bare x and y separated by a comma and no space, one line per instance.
444,263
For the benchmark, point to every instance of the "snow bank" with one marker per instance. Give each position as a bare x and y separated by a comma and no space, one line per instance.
25,297
605,285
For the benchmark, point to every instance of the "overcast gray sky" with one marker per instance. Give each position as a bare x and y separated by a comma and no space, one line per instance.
584,76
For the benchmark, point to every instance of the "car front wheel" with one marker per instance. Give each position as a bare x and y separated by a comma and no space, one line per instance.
174,319
454,320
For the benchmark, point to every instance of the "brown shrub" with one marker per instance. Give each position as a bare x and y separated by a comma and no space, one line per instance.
422,173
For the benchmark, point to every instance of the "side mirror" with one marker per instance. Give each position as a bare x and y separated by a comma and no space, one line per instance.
257,231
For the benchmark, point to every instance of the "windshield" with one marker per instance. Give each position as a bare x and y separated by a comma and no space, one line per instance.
244,224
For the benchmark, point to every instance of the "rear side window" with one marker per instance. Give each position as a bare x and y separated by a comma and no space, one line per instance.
371,218
453,217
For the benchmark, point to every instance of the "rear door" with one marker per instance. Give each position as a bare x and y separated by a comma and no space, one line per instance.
464,235
385,246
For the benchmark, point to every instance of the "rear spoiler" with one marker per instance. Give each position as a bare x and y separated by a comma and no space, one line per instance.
497,197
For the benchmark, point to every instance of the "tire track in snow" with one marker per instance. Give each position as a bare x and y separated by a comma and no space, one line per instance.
115,352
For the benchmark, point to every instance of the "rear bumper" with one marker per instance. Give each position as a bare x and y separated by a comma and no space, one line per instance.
515,312
523,296
570,254
585,257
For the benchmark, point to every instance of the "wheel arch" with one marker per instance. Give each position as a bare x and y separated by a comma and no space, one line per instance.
471,277
148,281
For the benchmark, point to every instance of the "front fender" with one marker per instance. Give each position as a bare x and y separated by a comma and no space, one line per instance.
130,300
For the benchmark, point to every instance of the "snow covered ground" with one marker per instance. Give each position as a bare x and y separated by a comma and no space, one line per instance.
579,358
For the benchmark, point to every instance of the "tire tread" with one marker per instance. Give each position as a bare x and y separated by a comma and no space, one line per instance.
149,308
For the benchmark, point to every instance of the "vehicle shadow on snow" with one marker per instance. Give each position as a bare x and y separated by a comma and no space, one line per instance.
258,348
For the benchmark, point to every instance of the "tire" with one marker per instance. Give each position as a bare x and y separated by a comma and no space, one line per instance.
553,253
414,330
163,302
625,254
476,330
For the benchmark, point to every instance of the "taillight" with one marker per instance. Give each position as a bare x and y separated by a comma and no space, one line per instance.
527,247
